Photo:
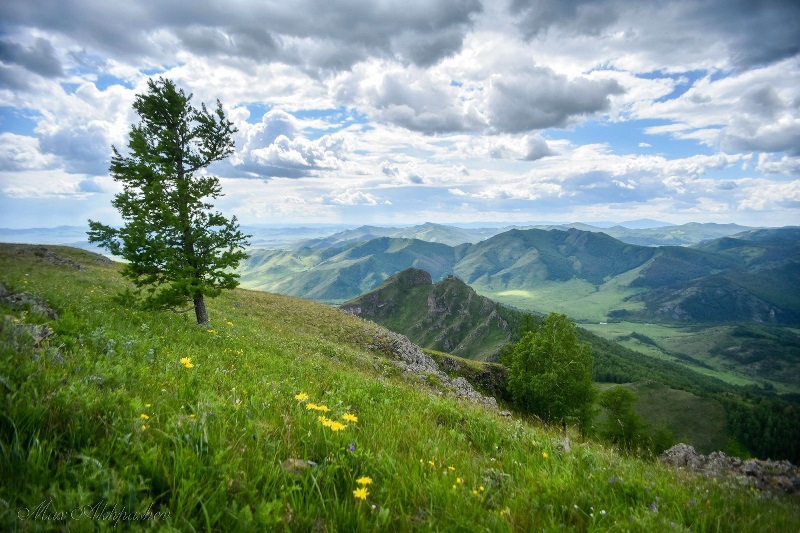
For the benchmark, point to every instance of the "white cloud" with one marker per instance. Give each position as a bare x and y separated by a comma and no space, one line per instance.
274,148
20,152
352,197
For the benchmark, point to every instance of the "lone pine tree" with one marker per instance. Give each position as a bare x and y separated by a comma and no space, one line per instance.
177,248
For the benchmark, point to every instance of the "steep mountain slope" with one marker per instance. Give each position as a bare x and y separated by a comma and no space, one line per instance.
754,277
448,316
520,258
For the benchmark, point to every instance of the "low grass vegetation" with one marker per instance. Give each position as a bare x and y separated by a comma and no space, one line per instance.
280,416
711,350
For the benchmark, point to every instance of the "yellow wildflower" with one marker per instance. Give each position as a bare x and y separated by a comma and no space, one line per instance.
143,427
459,480
347,417
325,421
451,468
545,455
187,362
482,488
361,493
431,463
301,397
336,426
148,404
364,480
144,416
230,323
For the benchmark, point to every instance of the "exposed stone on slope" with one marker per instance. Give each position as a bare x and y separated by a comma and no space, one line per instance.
414,362
34,304
780,476
46,255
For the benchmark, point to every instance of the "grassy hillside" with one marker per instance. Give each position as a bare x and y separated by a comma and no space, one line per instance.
210,429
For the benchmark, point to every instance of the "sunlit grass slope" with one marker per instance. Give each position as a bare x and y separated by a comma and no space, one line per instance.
281,417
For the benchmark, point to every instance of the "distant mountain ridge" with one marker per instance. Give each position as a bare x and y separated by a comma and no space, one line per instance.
754,276
644,232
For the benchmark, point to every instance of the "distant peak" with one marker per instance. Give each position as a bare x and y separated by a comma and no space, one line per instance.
410,277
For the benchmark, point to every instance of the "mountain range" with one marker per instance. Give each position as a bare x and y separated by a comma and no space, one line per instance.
752,276
643,232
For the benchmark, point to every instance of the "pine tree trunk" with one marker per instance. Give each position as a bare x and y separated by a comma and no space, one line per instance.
200,310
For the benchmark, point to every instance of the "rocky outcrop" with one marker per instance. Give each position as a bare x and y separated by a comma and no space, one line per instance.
416,363
46,255
33,304
779,476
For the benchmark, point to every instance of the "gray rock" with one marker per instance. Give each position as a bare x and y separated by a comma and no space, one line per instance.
780,476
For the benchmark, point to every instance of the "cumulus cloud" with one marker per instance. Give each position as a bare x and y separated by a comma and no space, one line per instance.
538,98
20,152
83,149
769,164
756,110
411,98
576,16
530,147
764,122
743,33
274,148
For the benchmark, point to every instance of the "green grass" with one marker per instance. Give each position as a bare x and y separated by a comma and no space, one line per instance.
579,299
220,445
670,343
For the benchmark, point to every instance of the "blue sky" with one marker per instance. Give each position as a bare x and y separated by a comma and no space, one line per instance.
395,112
